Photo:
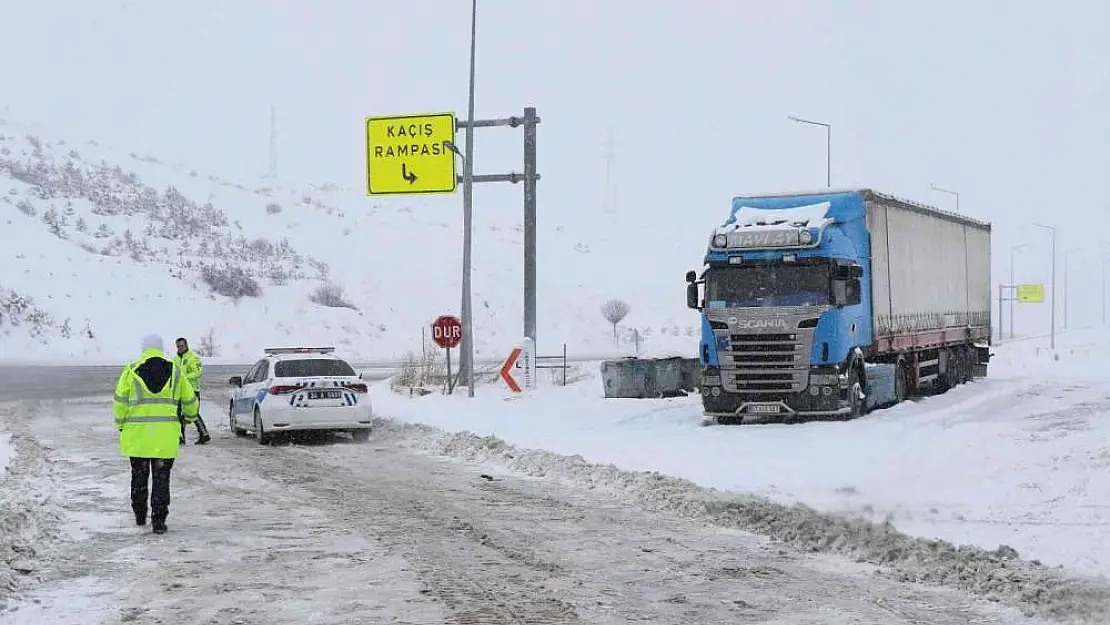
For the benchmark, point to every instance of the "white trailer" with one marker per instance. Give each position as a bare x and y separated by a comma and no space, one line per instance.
930,290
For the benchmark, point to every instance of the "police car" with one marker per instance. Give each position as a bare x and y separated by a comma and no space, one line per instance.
297,389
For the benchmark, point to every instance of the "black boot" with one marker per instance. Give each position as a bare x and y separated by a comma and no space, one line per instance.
158,526
202,431
140,517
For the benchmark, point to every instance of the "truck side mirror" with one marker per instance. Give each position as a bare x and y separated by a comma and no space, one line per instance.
692,296
236,380
691,277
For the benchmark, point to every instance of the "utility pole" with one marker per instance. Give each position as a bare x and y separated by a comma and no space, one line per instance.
1067,293
1013,285
828,144
611,201
466,355
1052,313
272,172
1104,243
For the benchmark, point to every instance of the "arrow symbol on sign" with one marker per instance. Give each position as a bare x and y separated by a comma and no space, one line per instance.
406,174
506,370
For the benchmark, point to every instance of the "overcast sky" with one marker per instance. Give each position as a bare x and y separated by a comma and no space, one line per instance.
1003,100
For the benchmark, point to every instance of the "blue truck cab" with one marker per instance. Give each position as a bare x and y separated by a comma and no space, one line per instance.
785,313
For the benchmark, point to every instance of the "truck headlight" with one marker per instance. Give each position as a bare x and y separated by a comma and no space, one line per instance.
720,240
804,237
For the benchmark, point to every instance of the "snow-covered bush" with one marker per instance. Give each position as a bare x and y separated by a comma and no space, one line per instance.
19,310
230,281
332,296
26,207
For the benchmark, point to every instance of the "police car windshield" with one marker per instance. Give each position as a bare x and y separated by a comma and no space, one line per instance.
310,367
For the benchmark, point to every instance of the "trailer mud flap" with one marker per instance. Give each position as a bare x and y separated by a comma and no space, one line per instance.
982,359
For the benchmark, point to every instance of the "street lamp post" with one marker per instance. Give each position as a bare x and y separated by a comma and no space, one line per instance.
1104,243
828,144
949,192
467,355
1052,313
1067,292
1013,251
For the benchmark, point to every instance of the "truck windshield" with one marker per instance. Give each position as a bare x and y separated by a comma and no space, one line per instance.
767,285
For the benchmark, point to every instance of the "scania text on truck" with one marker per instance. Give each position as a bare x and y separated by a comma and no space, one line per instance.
829,304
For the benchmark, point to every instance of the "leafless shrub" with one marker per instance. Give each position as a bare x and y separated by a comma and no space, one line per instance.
332,296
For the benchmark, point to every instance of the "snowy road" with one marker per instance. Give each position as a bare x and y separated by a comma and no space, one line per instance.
336,532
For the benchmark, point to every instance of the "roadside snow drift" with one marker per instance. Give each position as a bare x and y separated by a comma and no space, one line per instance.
1016,465
29,515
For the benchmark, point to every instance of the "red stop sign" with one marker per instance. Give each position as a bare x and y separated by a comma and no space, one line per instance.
447,331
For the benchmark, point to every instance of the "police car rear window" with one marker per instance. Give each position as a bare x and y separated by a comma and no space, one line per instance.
311,367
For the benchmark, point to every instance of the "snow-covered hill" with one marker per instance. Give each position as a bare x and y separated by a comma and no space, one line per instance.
98,247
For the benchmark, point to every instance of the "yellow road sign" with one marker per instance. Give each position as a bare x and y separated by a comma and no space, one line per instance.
1030,293
406,154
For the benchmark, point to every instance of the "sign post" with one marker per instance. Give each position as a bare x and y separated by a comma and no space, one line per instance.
519,369
416,154
447,333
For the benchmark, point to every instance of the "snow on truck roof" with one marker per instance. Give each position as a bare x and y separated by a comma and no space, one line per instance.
883,197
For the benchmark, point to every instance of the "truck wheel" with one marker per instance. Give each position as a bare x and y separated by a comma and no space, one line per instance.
855,389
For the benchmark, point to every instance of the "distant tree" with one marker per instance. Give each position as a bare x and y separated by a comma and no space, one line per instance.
615,311
54,222
207,347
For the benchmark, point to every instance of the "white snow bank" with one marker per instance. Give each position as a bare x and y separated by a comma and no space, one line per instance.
29,513
1009,460
6,451
998,575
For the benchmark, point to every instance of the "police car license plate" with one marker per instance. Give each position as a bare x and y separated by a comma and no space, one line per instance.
764,408
324,394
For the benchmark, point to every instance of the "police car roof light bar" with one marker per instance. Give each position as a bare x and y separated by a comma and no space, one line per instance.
298,350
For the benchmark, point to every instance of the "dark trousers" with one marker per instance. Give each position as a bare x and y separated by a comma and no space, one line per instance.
151,477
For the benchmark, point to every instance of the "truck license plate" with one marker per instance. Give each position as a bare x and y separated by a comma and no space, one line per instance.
764,408
324,394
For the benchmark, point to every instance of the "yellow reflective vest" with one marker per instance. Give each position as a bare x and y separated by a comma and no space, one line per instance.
148,421
191,366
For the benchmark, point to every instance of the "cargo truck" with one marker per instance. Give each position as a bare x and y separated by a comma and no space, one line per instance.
825,305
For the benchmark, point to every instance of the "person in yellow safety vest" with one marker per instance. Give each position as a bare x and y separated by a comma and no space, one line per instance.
190,363
149,395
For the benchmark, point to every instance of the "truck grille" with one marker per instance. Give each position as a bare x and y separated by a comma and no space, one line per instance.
766,363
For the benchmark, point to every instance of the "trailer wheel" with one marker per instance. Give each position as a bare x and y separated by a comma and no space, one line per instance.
969,369
901,382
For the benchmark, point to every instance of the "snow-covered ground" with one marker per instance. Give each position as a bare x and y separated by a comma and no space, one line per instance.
343,533
100,246
1021,458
